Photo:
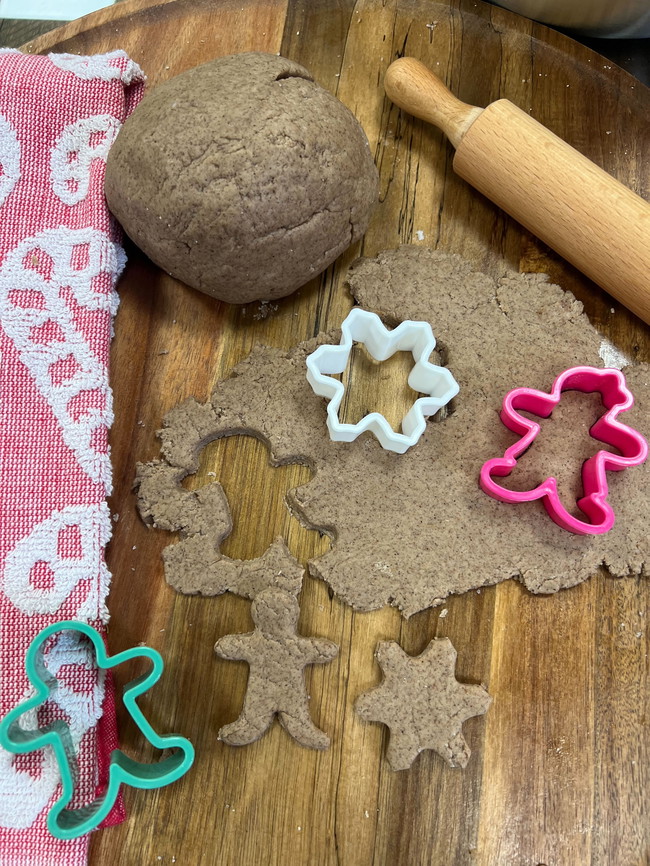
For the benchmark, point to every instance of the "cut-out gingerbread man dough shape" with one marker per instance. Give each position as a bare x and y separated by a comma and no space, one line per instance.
276,655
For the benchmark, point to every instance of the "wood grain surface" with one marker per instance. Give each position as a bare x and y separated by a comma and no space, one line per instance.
560,765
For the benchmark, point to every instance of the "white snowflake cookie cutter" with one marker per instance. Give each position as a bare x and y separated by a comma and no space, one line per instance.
361,326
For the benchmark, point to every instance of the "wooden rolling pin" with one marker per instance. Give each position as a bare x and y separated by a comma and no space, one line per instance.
574,206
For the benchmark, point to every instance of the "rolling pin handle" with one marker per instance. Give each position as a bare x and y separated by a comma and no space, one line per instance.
413,87
571,204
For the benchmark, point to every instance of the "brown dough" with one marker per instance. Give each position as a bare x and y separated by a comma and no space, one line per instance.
422,703
276,656
411,529
242,177
195,564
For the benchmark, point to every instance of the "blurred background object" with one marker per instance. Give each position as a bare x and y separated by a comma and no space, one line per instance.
22,20
611,19
612,28
50,10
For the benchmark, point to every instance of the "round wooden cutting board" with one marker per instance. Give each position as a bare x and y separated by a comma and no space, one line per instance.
560,765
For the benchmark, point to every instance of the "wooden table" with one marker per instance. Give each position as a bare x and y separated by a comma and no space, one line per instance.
560,768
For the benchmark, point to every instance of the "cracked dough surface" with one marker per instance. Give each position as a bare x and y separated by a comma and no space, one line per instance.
411,529
242,177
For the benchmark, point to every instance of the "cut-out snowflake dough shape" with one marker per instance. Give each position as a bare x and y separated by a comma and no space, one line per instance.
422,703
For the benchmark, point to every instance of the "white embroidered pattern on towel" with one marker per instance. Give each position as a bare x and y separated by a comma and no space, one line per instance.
80,143
9,159
105,67
36,314
62,555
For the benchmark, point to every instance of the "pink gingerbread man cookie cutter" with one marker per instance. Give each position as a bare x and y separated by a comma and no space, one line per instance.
608,429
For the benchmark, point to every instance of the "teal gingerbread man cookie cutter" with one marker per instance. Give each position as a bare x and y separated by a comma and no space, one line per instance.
62,822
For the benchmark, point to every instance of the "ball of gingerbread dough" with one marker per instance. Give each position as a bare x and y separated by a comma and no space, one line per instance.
242,177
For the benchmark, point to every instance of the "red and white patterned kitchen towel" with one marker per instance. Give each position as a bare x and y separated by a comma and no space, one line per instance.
60,257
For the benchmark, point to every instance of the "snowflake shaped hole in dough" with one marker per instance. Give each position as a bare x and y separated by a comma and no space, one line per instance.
436,383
